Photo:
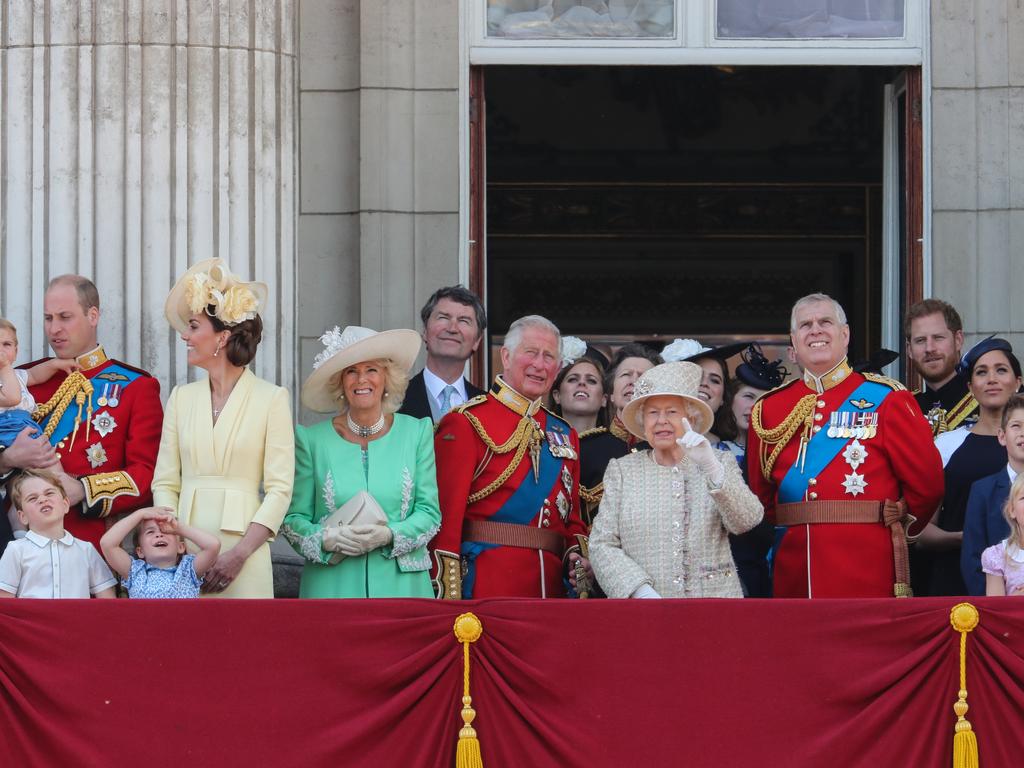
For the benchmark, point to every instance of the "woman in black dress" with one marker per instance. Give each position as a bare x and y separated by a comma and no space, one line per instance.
968,454
578,396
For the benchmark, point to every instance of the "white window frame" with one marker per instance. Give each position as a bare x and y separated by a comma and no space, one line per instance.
694,42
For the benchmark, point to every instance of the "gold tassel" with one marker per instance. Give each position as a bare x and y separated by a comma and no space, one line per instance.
467,755
964,618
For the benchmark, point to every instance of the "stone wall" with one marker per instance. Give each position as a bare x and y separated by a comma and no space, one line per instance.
977,69
378,161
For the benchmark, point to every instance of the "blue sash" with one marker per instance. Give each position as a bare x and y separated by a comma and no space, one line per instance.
521,507
112,374
822,449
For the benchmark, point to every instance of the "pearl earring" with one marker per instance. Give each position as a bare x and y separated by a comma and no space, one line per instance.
216,351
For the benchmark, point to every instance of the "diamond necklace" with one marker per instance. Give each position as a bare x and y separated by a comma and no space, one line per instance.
361,431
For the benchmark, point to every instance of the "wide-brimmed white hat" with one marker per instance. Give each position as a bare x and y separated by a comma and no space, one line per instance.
355,345
211,284
680,380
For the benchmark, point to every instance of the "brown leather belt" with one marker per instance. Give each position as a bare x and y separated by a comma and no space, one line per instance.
513,535
889,513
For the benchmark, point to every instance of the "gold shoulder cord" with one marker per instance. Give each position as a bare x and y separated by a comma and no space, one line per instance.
526,436
75,384
880,379
778,437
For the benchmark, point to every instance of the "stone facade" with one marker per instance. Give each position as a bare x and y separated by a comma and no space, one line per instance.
379,163
977,74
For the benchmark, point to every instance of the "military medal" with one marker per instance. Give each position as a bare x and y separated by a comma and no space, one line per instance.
854,484
855,454
104,423
563,506
833,425
96,454
567,479
113,401
102,400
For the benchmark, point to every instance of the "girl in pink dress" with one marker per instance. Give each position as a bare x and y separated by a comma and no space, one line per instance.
1003,564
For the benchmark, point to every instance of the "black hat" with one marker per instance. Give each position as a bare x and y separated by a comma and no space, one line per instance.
984,346
878,360
755,370
692,350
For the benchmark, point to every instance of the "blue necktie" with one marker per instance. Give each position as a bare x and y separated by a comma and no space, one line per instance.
446,398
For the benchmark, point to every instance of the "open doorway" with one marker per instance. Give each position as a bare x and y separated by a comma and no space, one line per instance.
653,202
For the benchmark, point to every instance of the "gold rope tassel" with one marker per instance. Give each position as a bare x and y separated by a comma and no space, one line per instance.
964,618
467,630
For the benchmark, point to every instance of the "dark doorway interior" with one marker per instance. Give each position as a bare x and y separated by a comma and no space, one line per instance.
654,202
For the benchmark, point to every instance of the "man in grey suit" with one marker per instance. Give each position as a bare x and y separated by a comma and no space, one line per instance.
454,322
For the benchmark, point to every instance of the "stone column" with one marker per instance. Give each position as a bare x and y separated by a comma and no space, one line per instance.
138,137
977,68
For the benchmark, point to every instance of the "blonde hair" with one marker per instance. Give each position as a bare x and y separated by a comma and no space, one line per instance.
1016,538
7,325
396,382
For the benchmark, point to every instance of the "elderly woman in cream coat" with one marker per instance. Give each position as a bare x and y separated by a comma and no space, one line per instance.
667,511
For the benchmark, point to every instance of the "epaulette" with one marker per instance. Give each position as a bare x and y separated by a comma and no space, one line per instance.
33,364
782,386
552,415
878,378
132,368
594,431
472,402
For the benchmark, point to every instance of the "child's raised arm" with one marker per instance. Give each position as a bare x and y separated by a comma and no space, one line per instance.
209,545
10,391
45,370
116,557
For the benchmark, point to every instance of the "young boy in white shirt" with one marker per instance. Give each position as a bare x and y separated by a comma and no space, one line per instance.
49,562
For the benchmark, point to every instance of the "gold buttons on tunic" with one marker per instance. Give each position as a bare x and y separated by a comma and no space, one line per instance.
812,481
821,403
812,495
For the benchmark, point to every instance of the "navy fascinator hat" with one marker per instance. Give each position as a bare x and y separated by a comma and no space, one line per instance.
991,344
755,370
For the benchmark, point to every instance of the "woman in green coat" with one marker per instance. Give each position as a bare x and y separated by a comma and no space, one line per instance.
366,457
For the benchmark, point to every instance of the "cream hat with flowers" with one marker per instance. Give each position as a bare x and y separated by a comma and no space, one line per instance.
680,380
211,284
351,346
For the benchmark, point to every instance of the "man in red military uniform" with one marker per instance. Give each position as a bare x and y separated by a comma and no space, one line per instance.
845,462
508,480
103,420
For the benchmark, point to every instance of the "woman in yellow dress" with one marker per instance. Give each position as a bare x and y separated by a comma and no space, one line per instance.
228,435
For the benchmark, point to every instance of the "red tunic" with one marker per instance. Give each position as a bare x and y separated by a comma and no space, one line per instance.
116,467
465,466
847,560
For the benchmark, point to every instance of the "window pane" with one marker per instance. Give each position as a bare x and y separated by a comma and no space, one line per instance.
524,19
810,18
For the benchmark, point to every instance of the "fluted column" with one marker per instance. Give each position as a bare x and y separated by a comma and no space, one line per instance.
138,137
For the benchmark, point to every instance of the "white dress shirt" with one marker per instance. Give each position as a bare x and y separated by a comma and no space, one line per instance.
37,566
435,384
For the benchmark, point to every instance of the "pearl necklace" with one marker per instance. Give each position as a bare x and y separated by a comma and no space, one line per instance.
361,431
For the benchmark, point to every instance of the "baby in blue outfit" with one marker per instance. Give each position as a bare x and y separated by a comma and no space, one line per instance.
160,567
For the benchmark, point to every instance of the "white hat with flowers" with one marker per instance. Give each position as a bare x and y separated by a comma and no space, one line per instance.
355,345
211,287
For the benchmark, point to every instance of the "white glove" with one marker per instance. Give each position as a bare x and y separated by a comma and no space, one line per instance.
338,538
698,449
369,537
646,592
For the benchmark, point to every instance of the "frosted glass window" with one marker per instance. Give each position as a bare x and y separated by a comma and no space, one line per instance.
797,19
545,19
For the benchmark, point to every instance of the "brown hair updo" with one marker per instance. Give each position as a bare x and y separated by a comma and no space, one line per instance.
244,340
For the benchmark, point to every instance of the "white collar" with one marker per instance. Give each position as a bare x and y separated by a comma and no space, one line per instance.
1017,554
1011,473
435,384
41,541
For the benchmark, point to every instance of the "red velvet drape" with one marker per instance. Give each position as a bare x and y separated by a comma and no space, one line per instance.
555,683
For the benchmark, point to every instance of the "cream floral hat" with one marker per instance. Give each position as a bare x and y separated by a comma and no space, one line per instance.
211,284
682,380
355,345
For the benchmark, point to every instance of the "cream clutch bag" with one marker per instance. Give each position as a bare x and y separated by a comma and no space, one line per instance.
361,509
